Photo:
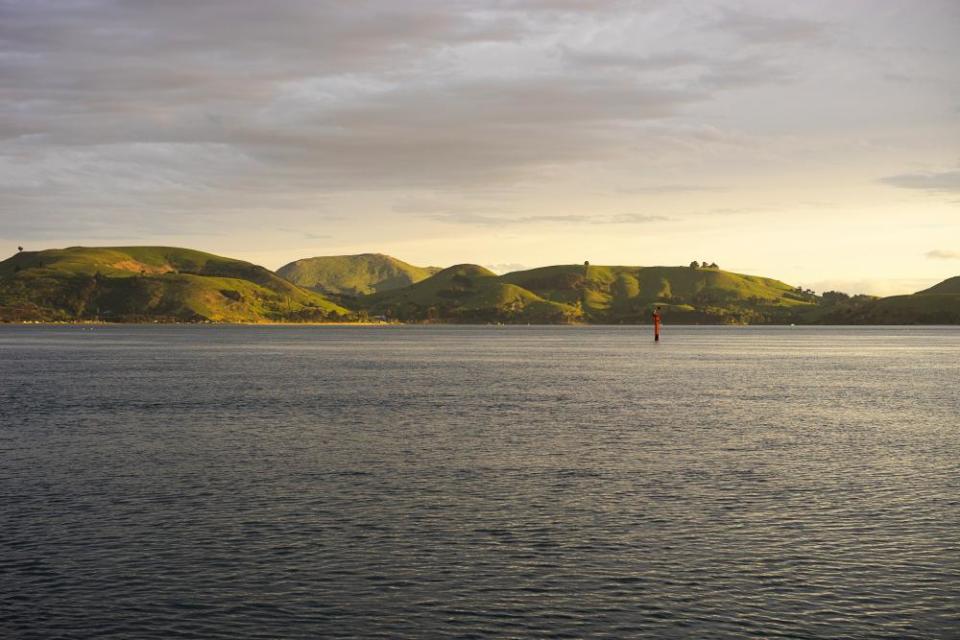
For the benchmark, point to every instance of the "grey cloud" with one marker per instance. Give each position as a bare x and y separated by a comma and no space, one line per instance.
900,78
568,6
934,181
483,220
742,72
421,205
941,254
634,61
763,29
349,95
193,110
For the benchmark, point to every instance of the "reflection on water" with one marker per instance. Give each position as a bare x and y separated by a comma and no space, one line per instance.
303,482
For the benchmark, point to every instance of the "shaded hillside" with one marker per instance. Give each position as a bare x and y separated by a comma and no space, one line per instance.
468,293
354,275
929,308
150,283
607,294
948,286
940,304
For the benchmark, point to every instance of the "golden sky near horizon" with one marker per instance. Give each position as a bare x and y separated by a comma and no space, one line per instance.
815,142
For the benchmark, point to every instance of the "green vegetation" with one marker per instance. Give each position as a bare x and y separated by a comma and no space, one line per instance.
350,276
468,293
919,308
618,294
590,293
163,284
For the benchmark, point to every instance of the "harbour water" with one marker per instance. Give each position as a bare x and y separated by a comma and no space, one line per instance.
473,482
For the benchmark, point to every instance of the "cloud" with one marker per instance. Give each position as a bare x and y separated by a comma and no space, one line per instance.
478,219
874,286
934,181
424,205
484,220
940,254
632,60
673,188
506,267
631,218
306,94
143,117
763,29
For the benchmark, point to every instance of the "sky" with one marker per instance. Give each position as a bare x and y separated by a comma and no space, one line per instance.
817,142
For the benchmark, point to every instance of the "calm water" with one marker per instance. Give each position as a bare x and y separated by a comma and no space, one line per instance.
388,482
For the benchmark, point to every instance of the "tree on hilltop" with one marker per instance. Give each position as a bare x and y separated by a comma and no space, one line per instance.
694,265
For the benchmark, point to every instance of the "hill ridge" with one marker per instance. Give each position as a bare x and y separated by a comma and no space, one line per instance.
354,274
151,283
165,283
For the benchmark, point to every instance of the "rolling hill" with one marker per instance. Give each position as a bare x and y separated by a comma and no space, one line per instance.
165,284
150,284
628,294
602,294
468,293
354,275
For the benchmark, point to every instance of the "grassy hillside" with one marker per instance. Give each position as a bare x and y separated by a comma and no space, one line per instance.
469,293
171,284
150,283
628,294
354,275
593,293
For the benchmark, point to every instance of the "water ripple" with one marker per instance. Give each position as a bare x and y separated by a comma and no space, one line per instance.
452,482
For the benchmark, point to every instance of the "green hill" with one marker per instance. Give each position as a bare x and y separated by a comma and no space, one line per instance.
169,284
150,283
354,275
468,293
605,294
628,294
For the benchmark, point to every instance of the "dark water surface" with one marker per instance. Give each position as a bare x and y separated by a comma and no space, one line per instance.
412,482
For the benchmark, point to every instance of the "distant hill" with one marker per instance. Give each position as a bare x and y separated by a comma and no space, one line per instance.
354,275
628,294
940,304
919,308
150,283
948,286
607,294
468,293
163,284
